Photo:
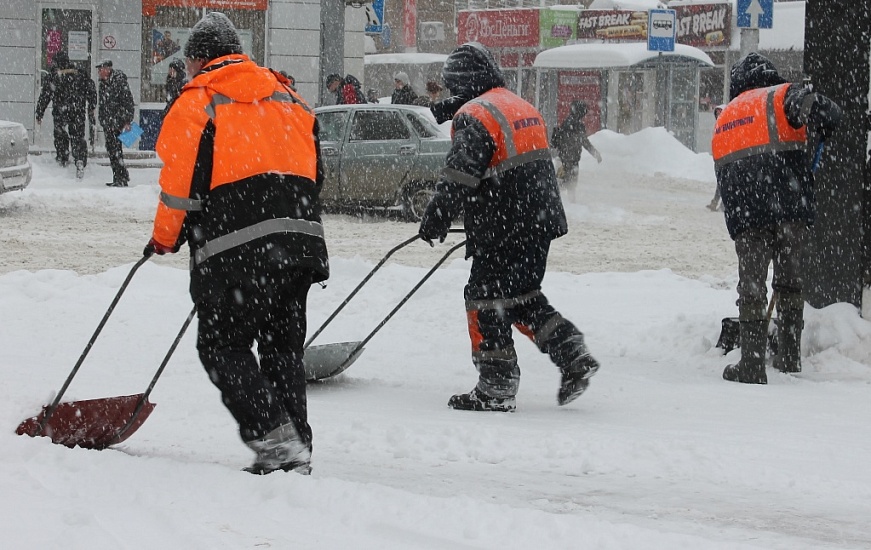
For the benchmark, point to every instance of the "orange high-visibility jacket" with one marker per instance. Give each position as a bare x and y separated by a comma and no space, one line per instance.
260,127
516,127
755,123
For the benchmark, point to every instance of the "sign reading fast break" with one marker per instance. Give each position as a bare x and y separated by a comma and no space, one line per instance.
499,28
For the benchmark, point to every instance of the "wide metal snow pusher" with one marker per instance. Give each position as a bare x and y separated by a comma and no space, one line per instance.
100,423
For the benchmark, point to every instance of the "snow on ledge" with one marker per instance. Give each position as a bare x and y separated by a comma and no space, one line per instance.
604,56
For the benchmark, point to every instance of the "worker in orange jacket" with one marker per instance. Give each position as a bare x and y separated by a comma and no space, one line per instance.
241,183
499,173
763,158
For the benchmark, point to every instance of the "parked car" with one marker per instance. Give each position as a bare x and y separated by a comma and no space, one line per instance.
15,170
381,156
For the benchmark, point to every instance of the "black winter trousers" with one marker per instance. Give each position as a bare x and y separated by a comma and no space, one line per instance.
504,290
70,131
116,155
260,395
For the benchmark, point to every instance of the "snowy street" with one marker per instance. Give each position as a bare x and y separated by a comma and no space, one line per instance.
660,453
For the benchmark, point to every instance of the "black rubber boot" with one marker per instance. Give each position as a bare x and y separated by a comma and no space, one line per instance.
751,368
576,381
477,401
789,341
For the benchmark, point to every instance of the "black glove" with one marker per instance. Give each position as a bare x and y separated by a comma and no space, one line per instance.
824,117
445,109
434,226
154,247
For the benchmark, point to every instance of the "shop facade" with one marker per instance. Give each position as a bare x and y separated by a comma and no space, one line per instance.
141,37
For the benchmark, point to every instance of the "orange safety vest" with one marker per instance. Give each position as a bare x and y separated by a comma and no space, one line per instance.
754,123
253,136
516,127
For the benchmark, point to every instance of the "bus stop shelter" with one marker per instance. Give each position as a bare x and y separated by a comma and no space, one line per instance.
626,86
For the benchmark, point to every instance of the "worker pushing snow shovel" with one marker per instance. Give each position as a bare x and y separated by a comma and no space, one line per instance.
765,175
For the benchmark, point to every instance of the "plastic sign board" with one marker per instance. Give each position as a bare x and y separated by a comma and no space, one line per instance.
754,14
375,17
661,29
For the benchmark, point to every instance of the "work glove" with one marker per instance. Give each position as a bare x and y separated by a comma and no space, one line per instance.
445,109
598,156
824,117
433,226
154,247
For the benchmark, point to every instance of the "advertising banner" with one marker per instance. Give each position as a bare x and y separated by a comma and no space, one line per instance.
557,27
149,7
704,26
583,86
499,28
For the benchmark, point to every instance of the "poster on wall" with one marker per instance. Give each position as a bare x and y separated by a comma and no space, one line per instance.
167,43
78,43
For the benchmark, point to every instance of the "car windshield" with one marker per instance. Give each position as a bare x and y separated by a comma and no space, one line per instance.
331,124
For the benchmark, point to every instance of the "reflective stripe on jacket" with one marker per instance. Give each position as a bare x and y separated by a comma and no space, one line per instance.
755,123
260,127
516,127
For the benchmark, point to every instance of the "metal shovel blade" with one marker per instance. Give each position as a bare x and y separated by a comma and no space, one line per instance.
90,424
329,359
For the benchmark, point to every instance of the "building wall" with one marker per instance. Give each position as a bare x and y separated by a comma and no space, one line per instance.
18,50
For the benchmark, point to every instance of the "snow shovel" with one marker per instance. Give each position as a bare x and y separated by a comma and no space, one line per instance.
328,360
730,332
94,423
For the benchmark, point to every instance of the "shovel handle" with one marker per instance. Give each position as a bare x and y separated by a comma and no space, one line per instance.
60,394
144,399
429,273
353,293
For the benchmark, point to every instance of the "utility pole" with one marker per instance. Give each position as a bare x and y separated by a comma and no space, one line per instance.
836,61
332,46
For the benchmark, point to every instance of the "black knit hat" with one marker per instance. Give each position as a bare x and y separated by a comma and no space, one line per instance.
470,70
213,36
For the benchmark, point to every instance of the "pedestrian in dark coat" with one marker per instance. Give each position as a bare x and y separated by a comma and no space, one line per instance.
763,146
348,90
71,92
569,139
116,116
241,184
176,78
499,173
403,93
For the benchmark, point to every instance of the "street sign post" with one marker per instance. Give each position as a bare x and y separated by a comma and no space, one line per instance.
375,17
661,30
754,14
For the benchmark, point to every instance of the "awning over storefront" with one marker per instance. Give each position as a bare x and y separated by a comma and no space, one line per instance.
609,56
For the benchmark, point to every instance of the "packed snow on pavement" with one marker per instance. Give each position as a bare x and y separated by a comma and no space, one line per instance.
659,453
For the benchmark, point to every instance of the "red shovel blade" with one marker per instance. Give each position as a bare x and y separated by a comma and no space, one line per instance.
90,424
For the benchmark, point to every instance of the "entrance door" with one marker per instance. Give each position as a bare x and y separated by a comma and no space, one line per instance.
69,30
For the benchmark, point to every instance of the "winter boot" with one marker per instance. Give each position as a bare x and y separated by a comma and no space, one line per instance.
80,169
788,357
478,401
280,449
751,368
575,381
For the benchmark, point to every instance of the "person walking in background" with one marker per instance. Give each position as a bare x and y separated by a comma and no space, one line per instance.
116,116
347,89
569,139
764,172
176,78
499,173
403,93
241,184
72,95
433,95
372,95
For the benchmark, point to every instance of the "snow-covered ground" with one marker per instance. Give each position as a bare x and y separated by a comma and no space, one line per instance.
659,453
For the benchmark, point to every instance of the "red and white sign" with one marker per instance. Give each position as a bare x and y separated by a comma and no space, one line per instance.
499,28
409,23
585,86
109,42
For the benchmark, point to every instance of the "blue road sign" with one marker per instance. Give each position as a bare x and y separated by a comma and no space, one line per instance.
374,17
755,14
661,28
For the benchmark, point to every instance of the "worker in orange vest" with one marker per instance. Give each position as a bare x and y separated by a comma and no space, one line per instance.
240,184
764,147
499,173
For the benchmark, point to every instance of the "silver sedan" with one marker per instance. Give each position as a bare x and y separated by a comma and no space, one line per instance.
15,170
381,156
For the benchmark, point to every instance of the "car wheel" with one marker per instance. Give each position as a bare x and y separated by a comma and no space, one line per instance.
415,197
